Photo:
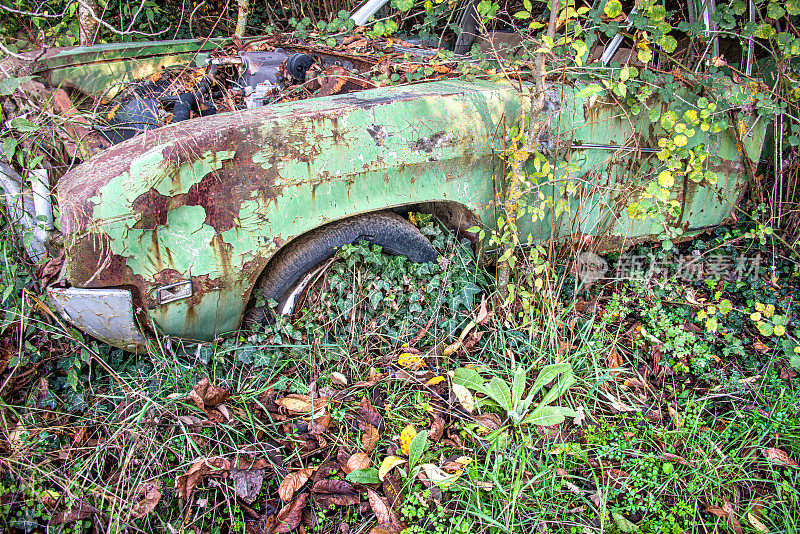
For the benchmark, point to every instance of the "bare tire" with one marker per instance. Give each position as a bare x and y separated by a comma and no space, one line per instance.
292,269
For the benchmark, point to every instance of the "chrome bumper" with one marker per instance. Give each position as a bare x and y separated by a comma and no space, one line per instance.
106,314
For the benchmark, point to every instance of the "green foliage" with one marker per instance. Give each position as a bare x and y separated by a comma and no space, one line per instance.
512,399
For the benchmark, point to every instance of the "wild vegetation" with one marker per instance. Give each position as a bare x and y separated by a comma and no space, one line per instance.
657,397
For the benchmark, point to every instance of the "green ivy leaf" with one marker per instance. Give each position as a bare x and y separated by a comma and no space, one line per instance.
793,7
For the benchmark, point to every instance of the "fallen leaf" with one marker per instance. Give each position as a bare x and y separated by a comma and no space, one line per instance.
210,466
293,482
614,359
358,460
489,421
410,361
439,476
383,512
206,396
406,437
339,379
370,438
437,429
464,397
778,455
369,414
393,490
247,483
290,515
337,492
579,419
302,404
435,380
732,521
756,523
75,513
152,494
389,463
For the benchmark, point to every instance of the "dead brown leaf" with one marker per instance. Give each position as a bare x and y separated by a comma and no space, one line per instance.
369,414
337,492
778,455
614,359
77,512
293,482
383,512
302,404
207,396
489,421
152,494
247,483
357,461
290,515
437,429
393,490
210,466
370,438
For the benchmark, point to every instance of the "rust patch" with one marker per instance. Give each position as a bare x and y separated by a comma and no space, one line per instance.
152,208
167,276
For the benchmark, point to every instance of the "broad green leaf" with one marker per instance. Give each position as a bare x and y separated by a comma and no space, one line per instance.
21,124
548,374
775,11
563,383
549,415
518,385
623,524
499,391
668,44
666,179
418,445
764,31
364,476
793,7
469,378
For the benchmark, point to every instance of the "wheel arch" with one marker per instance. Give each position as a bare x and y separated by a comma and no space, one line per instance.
455,216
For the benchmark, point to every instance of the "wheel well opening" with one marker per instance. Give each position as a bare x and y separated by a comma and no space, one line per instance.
454,216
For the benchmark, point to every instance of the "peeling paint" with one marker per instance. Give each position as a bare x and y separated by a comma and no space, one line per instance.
210,200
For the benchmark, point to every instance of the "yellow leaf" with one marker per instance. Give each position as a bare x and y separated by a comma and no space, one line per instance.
410,361
439,477
757,524
464,397
406,437
389,463
451,349
463,460
435,380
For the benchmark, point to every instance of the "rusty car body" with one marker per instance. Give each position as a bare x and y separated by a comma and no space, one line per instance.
169,231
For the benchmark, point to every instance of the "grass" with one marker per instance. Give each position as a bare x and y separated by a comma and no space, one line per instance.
681,424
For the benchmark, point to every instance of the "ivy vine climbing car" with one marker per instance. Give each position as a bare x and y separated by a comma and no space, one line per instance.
214,169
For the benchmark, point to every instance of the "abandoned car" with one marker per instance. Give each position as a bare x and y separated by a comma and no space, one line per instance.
218,168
